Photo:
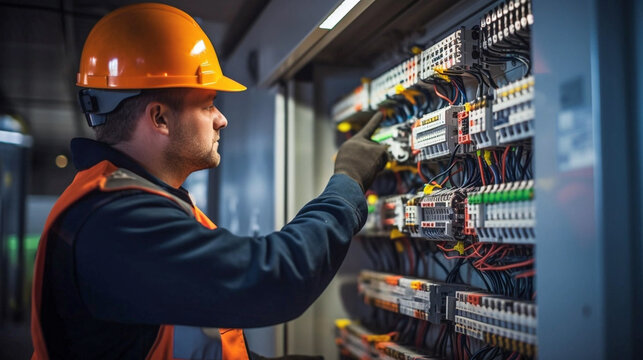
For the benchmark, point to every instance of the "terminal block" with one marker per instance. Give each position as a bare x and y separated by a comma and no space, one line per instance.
392,212
358,342
402,76
412,216
414,297
353,339
397,138
436,216
469,228
356,101
475,124
390,350
435,135
497,320
505,21
513,111
464,135
455,51
503,213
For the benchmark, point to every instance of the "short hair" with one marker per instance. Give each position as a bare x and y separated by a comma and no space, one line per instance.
119,124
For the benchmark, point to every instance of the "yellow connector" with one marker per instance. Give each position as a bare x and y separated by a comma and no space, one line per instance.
399,88
416,285
428,188
344,127
487,157
396,234
416,50
342,323
440,71
459,247
467,107
376,338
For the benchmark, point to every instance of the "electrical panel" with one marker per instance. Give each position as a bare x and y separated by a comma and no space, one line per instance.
351,104
418,298
356,341
498,320
513,111
475,124
505,21
456,51
402,76
503,212
436,133
436,216
450,233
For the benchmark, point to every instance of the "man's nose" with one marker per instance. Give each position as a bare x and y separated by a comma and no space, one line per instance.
220,121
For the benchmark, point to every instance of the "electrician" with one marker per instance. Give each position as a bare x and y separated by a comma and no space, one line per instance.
127,266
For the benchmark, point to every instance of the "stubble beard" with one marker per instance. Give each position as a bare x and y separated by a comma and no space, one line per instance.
182,154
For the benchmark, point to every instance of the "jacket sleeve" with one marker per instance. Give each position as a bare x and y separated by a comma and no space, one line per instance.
141,259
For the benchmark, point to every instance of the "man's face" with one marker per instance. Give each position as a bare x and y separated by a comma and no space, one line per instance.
195,132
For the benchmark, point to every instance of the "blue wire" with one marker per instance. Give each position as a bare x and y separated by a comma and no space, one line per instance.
496,173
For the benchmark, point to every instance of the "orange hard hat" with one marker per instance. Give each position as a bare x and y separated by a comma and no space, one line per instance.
148,46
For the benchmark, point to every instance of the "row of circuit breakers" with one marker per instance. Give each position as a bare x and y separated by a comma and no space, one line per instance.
498,118
494,213
497,320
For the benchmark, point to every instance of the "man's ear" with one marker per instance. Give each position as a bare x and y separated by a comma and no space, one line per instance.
156,114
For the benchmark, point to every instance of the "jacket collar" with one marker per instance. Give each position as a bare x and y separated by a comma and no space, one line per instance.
86,153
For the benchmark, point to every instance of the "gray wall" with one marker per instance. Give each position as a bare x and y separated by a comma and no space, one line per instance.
246,176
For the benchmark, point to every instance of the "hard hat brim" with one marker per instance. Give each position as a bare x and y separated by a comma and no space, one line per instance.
224,83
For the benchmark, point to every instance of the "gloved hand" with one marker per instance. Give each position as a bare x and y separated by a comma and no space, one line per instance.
359,157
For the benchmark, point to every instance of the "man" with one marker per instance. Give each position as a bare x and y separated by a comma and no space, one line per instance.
125,255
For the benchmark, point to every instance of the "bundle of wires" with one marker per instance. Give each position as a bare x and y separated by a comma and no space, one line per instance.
515,48
504,269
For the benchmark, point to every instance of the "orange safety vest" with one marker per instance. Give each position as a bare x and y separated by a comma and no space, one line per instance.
105,176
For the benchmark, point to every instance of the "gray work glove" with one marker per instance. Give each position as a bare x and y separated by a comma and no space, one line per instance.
359,157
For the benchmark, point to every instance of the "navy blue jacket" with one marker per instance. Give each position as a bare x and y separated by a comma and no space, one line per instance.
120,264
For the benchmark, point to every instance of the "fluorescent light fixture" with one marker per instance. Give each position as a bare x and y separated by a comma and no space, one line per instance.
338,14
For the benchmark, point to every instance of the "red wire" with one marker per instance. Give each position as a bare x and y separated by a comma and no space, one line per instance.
507,267
445,250
442,96
492,251
504,164
447,178
495,157
455,257
526,274
484,182
457,91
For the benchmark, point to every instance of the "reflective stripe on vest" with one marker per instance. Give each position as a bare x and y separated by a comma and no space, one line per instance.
105,176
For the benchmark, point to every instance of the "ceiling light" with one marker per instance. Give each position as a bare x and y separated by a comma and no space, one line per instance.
338,14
